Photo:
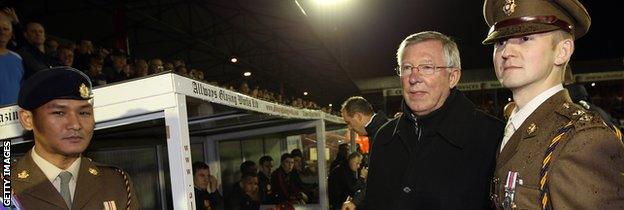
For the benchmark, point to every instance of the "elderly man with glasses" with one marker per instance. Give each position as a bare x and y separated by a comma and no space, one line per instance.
440,153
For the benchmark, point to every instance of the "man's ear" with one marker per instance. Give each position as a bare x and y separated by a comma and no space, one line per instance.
564,50
26,119
454,77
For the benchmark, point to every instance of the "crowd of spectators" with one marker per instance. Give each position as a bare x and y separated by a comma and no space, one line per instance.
259,184
26,49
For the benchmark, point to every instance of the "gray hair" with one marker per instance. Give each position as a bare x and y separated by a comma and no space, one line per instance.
451,53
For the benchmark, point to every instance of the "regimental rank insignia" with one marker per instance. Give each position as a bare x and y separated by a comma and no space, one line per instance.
23,175
84,91
531,128
566,105
93,171
586,118
509,7
110,205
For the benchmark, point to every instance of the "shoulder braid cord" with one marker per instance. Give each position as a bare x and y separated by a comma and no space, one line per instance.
127,183
615,130
544,192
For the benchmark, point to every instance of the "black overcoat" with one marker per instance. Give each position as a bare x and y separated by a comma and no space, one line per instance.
448,167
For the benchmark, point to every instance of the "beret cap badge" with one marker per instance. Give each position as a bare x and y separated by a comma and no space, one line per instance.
84,91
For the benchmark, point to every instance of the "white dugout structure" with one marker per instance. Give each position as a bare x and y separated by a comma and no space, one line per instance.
184,111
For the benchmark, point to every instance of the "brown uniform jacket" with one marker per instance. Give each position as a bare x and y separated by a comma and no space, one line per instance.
587,166
95,185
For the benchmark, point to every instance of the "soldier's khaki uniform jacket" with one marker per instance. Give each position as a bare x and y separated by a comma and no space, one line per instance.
95,187
587,166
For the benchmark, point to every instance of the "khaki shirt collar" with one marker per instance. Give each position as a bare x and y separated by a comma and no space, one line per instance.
51,171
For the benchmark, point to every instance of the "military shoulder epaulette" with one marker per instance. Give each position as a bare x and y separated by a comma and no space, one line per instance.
581,117
111,167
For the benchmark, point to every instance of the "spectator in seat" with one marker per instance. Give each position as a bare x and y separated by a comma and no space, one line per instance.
117,71
246,196
33,50
168,66
244,88
141,68
178,62
11,69
181,70
95,71
285,188
51,47
265,189
83,53
207,196
155,66
200,75
66,56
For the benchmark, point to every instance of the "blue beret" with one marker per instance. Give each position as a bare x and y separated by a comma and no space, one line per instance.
55,83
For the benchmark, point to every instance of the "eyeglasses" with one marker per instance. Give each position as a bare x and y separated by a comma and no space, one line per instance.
426,69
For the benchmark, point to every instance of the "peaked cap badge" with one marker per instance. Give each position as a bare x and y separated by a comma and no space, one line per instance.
509,7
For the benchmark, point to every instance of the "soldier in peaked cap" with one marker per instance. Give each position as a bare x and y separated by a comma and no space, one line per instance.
56,105
554,154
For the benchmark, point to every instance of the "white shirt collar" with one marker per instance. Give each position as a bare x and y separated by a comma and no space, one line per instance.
519,116
51,171
371,120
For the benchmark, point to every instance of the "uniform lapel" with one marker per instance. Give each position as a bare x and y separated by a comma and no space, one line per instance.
530,127
511,147
35,183
88,183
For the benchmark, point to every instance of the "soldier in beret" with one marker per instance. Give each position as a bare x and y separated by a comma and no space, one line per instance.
555,154
56,105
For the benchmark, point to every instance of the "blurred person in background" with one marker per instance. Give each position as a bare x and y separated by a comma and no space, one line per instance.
341,156
11,69
66,56
33,50
155,66
117,70
284,187
181,70
346,180
141,68
83,52
51,47
246,196
207,196
359,116
264,180
168,66
95,70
